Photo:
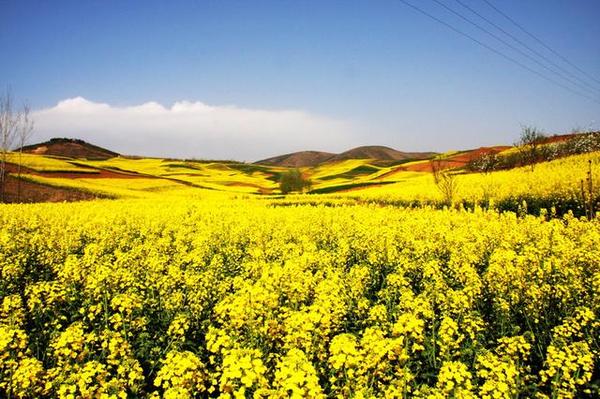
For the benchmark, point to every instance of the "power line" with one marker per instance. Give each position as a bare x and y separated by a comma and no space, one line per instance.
501,40
566,60
524,44
507,57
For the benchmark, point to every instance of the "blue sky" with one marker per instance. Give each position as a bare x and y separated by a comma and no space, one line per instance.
259,78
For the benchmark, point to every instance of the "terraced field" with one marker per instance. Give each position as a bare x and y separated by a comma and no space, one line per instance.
551,184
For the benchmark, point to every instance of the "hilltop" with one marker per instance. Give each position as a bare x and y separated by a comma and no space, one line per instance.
298,159
70,148
314,158
380,153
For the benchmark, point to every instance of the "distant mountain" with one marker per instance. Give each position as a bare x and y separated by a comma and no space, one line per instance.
313,158
381,153
71,148
298,159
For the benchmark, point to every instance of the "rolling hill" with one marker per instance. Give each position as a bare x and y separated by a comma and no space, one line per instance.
70,148
298,159
313,158
86,169
380,153
70,169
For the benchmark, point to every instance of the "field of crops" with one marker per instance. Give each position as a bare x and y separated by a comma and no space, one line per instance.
549,184
46,164
555,184
237,298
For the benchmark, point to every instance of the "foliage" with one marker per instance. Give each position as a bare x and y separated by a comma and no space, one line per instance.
293,180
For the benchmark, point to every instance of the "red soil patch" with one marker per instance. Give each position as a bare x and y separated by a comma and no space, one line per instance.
453,161
20,190
96,174
426,166
466,157
16,190
558,138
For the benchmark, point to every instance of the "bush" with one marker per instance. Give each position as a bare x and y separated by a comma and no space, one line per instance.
292,180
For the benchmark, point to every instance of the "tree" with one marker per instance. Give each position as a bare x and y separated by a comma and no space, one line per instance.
292,180
444,180
7,136
486,162
24,132
529,145
15,126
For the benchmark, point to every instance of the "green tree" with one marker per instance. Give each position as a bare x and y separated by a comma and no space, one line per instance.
292,180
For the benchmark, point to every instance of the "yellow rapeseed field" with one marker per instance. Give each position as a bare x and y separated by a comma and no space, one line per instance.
225,297
559,179
45,163
556,183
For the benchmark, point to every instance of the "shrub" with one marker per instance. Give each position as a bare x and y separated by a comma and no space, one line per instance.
292,180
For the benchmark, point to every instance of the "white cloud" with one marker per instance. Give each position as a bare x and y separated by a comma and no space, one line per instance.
192,129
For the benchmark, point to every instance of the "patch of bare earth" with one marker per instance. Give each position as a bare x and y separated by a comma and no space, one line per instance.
19,190
92,174
452,162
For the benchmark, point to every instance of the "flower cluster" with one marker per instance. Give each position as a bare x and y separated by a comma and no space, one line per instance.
239,299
